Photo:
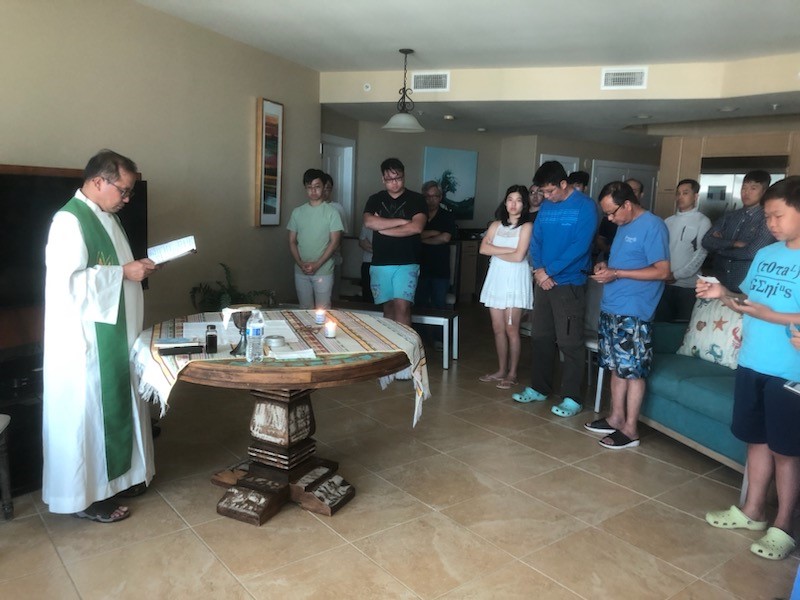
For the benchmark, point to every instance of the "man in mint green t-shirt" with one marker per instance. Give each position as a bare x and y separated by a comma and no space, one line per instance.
315,230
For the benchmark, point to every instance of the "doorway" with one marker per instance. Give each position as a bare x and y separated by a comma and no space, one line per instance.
338,160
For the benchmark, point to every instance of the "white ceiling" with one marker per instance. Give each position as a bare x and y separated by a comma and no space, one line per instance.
355,35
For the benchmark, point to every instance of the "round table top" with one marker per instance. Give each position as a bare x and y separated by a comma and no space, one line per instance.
330,370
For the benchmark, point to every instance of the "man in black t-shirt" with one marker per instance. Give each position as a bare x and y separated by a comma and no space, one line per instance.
397,217
434,268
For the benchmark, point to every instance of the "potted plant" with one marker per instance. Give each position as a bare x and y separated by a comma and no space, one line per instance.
207,297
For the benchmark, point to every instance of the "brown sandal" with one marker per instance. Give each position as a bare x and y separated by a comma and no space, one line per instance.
506,384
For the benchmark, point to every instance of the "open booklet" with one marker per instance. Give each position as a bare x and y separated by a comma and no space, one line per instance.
172,250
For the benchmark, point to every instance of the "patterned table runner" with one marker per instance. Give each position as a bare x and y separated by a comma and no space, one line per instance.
357,334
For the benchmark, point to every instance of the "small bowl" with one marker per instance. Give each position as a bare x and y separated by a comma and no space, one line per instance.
275,341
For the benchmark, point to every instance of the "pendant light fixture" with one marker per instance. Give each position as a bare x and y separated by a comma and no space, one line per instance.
404,121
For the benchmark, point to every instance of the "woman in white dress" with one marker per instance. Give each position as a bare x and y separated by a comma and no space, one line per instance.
507,290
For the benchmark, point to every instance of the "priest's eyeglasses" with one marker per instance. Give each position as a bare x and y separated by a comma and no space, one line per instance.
123,192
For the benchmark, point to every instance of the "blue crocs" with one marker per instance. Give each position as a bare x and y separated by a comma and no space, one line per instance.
567,408
528,395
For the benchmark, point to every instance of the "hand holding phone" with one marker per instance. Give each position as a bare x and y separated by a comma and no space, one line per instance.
708,278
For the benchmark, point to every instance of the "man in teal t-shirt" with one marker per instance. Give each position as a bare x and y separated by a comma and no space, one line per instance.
315,231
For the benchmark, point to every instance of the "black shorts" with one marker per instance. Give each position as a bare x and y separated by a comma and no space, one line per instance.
766,413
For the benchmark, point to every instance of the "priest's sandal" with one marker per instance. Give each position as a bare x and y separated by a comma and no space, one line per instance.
105,511
599,426
528,395
618,441
734,518
567,408
776,545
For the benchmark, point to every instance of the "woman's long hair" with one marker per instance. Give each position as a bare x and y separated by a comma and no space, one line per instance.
501,214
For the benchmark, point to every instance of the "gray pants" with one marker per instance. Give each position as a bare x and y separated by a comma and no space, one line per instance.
313,291
558,324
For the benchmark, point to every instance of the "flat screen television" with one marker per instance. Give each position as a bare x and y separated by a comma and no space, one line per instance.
29,196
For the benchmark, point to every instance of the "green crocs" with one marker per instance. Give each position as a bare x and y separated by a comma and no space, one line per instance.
528,395
567,408
776,545
734,518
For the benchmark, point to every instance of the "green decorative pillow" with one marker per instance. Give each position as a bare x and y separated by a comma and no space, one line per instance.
714,334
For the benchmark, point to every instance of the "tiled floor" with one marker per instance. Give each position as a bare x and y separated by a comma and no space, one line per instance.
484,499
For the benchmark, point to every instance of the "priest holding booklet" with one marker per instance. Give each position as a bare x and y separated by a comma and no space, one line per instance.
96,430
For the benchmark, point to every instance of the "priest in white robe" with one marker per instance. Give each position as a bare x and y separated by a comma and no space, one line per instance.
96,430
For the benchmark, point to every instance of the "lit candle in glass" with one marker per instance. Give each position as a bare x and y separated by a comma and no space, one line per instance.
319,317
330,329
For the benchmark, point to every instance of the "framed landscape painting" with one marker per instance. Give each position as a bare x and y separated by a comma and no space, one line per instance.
457,174
269,162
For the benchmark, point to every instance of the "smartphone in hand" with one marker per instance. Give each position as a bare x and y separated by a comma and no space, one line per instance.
708,278
792,386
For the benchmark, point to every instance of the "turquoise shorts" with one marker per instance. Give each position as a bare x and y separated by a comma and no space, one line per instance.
389,282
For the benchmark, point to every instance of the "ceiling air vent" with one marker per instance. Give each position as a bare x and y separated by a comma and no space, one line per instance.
430,81
623,78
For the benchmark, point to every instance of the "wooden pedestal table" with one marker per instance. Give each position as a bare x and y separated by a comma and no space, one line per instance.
283,464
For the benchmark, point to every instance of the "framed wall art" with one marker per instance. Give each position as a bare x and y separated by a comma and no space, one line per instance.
269,162
457,174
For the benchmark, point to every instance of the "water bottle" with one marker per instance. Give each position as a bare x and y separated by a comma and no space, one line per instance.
255,337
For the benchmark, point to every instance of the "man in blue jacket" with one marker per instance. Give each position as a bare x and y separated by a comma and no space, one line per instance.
560,254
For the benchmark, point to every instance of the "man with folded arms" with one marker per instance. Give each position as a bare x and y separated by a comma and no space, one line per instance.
736,236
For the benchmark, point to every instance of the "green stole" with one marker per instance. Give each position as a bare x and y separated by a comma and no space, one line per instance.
112,350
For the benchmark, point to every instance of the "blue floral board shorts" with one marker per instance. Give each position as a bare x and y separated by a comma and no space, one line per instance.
393,281
626,345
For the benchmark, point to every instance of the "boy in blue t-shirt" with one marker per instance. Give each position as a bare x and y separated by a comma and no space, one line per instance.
766,415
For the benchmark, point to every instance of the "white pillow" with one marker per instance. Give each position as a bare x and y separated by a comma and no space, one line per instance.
714,334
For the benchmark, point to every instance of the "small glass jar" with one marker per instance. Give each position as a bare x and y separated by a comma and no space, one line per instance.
211,339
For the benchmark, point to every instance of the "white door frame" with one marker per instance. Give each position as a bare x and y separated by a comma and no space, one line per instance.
344,189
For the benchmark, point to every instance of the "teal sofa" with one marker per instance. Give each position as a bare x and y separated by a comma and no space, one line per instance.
691,399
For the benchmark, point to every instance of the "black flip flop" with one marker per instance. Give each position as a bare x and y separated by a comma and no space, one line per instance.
620,441
101,512
599,426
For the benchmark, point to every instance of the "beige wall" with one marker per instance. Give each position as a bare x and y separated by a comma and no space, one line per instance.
517,161
181,101
335,124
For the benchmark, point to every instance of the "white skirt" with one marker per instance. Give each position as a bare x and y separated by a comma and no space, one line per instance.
508,285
